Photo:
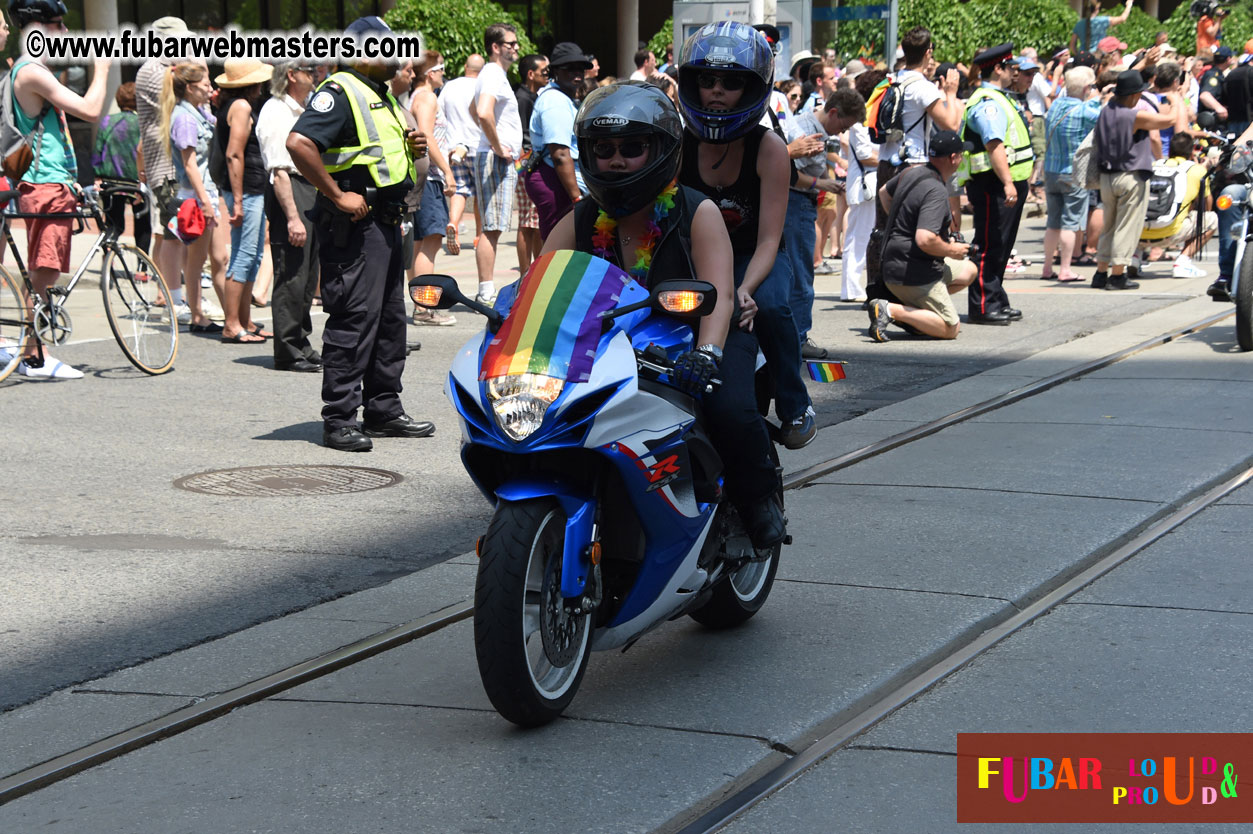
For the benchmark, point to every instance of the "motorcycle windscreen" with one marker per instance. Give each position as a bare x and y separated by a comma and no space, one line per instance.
555,323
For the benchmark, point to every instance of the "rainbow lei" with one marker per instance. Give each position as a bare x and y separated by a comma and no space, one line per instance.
607,227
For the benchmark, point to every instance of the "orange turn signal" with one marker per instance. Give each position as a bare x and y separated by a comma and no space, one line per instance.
681,301
426,295
594,553
478,547
1223,202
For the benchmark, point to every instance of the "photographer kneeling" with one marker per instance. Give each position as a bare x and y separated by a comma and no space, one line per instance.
921,266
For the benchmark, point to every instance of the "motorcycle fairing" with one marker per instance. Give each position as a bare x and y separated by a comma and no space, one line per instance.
580,513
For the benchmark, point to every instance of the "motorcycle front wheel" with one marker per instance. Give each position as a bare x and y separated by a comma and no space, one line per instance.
1244,302
531,651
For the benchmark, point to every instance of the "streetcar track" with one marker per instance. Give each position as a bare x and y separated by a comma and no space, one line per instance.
914,686
207,709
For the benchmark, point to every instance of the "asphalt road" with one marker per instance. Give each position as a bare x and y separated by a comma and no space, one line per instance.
104,563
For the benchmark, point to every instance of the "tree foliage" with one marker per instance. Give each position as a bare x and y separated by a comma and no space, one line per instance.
665,35
961,29
454,28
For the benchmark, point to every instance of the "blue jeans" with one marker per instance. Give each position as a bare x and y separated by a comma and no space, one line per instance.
1230,228
247,239
799,239
777,334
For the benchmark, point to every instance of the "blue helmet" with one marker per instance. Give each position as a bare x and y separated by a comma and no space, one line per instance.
727,47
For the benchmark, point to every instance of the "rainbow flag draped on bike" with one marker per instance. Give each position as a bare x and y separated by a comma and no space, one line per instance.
555,323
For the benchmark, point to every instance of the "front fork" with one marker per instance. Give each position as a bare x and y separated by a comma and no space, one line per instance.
580,548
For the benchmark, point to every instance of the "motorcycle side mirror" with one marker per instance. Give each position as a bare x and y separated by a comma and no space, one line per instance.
440,292
1206,120
690,299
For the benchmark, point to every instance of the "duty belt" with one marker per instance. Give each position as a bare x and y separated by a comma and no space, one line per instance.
390,214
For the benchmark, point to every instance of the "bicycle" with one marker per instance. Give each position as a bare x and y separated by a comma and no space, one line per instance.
137,302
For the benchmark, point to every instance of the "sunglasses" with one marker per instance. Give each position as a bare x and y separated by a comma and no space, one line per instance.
513,44
630,149
730,83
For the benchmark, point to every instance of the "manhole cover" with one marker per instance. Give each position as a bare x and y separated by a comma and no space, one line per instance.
288,480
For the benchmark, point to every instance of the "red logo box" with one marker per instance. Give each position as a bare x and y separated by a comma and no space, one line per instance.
1103,777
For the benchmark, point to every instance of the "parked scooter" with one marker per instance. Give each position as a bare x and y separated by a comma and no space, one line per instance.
609,513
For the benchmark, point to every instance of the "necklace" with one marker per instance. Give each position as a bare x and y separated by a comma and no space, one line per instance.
606,231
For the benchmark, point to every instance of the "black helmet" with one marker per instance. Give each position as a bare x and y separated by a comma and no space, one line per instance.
630,108
728,46
43,11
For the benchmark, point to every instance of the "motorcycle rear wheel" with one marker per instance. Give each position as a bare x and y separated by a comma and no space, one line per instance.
1244,303
741,594
531,653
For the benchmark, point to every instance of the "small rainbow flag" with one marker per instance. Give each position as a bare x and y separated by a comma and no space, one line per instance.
825,371
555,324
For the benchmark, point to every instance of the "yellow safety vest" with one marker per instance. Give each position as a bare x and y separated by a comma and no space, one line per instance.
380,132
1017,140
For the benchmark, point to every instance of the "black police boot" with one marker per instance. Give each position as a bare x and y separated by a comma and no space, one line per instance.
402,426
346,439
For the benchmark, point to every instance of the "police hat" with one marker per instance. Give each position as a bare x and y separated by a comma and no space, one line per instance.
369,23
995,55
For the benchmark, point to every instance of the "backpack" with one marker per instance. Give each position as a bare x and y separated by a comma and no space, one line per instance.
885,112
17,150
1167,187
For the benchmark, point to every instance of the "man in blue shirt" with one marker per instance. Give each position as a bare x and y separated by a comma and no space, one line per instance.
1071,118
554,184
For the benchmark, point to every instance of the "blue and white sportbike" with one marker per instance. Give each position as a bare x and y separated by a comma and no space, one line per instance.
609,513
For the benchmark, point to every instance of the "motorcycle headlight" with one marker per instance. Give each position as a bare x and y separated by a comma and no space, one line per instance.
520,401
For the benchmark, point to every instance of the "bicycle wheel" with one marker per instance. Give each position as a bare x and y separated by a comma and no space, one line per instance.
15,326
140,309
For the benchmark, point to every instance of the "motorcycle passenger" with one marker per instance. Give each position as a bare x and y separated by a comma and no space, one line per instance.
1230,223
630,143
725,75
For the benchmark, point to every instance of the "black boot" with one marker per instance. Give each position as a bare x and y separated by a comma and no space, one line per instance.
1121,282
764,522
1099,280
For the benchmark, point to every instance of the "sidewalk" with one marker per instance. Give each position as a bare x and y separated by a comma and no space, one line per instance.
897,559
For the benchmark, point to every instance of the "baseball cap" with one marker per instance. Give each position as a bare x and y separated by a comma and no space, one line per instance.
1025,64
1222,53
946,142
1109,43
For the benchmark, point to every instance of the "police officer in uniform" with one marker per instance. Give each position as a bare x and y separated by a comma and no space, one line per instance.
354,145
998,168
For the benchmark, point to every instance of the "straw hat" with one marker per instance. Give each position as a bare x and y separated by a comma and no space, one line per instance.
240,72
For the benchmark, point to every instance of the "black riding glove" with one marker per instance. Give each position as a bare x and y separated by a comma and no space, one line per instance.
692,372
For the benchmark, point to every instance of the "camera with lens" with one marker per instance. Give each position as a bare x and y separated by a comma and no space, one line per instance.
972,252
1207,8
833,144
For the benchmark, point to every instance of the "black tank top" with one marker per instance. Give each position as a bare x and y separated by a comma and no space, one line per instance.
739,202
254,169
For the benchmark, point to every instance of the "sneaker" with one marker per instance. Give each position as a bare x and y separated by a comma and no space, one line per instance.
800,432
433,317
488,300
1185,268
52,369
184,313
824,268
809,350
206,281
211,309
879,320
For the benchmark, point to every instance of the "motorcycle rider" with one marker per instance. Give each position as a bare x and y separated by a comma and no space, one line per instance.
629,139
726,72
1230,224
